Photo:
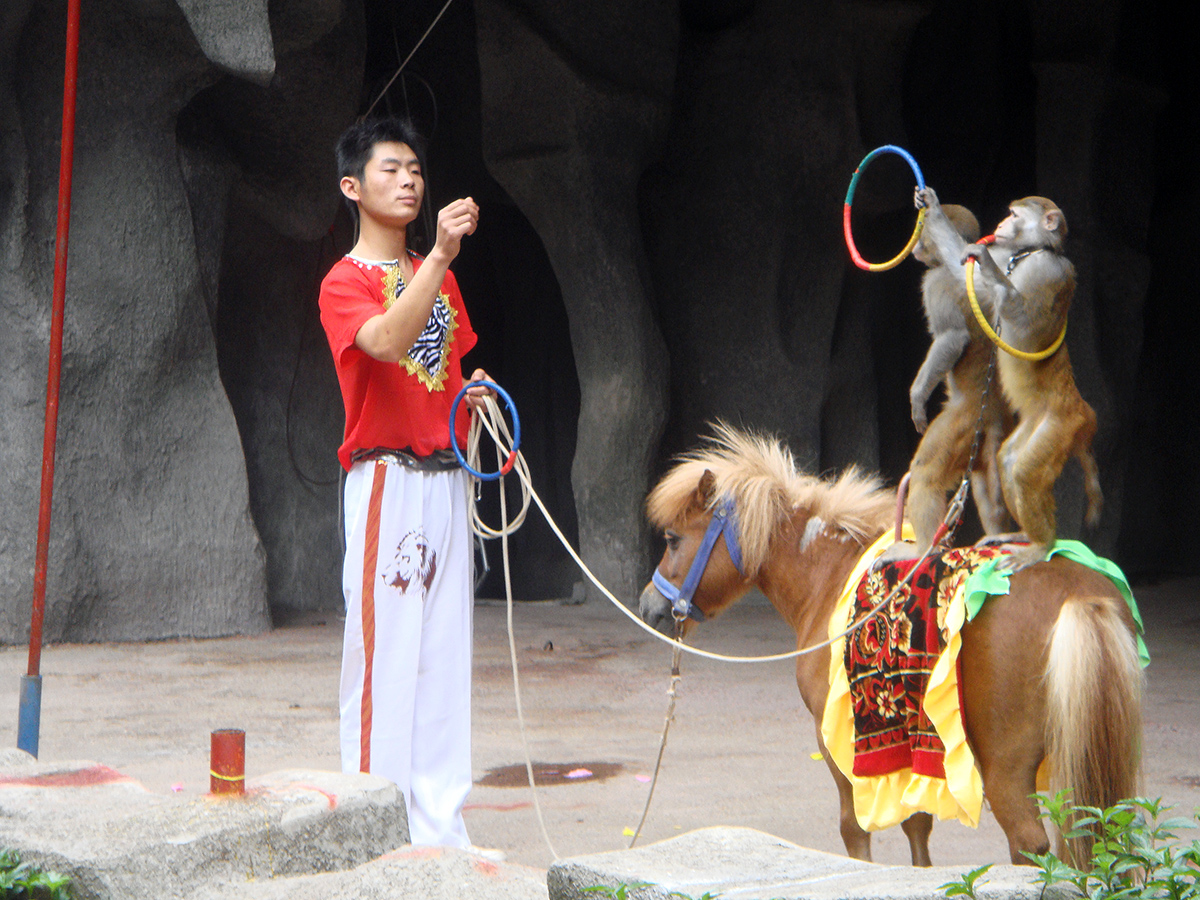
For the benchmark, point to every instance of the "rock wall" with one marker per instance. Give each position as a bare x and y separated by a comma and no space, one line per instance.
576,102
152,533
660,246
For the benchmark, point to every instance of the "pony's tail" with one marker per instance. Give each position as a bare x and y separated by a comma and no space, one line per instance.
1094,709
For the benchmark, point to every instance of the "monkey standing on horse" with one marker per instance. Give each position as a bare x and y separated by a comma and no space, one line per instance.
1030,298
960,354
1049,669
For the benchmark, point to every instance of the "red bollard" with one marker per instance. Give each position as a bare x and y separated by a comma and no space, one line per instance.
227,761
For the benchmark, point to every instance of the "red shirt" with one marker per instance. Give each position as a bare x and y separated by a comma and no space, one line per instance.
404,405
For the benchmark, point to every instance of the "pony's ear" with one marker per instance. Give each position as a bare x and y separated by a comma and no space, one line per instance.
705,489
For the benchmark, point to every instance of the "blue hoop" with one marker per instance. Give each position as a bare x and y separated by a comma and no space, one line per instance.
516,444
855,256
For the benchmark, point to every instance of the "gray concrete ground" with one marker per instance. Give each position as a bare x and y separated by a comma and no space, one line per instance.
594,697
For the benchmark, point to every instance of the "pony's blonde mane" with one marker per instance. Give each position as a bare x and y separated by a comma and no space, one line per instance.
760,474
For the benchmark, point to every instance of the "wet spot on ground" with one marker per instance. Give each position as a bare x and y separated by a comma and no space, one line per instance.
547,774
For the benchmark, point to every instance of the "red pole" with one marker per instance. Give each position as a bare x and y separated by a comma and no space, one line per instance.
54,373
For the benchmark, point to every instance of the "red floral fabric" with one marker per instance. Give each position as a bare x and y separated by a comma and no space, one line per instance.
889,659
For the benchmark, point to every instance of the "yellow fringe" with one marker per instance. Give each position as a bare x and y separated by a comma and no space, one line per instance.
886,800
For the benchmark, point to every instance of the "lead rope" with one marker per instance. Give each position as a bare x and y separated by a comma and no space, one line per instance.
672,693
493,414
491,419
507,528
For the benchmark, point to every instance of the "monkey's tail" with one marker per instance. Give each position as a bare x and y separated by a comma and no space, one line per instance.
1091,486
1094,708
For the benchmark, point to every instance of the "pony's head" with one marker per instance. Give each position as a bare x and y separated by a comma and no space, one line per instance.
757,477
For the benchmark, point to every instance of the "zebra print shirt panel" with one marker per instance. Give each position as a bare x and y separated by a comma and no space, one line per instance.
428,357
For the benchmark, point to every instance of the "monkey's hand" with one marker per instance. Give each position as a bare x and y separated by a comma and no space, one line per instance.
980,254
919,417
925,198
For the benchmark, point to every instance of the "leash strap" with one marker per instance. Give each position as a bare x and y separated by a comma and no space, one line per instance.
672,694
723,522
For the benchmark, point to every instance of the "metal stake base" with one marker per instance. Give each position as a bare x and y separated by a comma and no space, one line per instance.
29,718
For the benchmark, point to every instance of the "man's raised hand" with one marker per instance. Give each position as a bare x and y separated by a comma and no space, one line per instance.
453,222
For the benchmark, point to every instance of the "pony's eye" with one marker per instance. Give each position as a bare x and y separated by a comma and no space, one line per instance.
672,540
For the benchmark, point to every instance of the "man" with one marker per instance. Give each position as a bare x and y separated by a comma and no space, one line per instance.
398,329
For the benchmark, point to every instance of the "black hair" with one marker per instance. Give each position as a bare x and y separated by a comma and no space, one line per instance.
357,143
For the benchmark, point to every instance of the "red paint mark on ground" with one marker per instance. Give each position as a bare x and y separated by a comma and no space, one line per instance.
486,867
499,807
332,798
90,777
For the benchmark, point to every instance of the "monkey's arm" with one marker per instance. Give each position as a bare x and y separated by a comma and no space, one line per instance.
1041,290
1032,304
996,294
940,233
946,350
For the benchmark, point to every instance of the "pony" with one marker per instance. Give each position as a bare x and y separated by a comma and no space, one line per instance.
1050,670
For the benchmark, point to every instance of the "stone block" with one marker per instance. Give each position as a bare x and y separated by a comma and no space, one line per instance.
431,873
749,865
118,840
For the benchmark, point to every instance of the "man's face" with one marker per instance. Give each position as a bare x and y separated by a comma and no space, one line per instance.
392,187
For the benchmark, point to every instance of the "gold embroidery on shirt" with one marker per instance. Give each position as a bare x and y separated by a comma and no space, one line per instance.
429,355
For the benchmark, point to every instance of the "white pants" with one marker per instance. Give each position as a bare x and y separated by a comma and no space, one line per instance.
406,656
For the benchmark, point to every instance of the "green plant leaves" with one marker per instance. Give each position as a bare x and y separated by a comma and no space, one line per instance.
21,880
1134,856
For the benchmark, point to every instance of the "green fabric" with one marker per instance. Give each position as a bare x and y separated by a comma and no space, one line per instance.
986,582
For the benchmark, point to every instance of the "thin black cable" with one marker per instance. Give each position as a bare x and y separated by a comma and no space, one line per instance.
407,58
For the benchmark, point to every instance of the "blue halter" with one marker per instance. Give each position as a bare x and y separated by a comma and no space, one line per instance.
724,522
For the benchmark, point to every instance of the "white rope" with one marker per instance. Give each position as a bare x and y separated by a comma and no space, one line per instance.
505,530
497,428
488,421
489,417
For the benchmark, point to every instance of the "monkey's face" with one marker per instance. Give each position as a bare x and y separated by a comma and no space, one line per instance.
1019,229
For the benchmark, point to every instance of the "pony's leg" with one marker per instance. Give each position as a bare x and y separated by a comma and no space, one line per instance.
917,828
856,838
1008,791
1005,712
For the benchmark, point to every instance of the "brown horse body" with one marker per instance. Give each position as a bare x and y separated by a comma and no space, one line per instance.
1049,670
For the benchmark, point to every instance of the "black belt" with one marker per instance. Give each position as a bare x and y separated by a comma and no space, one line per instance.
437,461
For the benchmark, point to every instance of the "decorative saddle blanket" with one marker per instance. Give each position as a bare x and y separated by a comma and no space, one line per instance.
890,657
899,737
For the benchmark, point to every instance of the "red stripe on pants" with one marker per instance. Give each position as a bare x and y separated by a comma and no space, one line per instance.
370,564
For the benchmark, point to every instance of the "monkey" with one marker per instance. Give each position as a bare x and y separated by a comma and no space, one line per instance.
1029,297
960,355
